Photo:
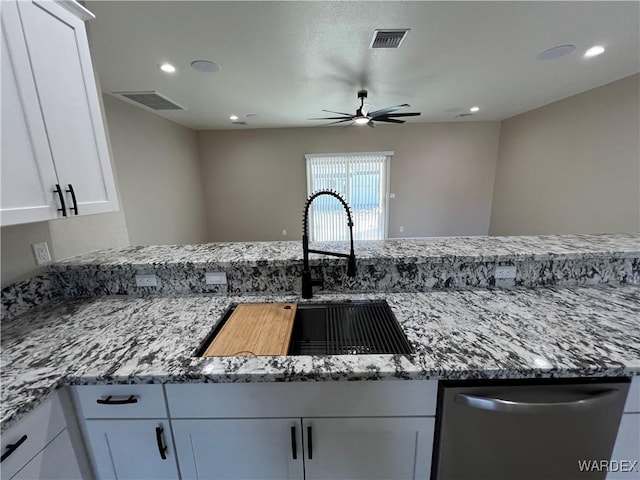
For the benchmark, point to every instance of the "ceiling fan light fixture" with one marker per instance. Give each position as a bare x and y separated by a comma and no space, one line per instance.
362,120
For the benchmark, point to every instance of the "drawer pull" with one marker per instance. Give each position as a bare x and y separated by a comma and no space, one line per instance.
162,447
310,443
12,447
110,400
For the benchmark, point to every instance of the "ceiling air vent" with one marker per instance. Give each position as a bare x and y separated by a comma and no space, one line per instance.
240,122
389,38
152,100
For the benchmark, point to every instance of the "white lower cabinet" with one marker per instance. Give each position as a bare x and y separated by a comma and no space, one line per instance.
368,448
307,430
56,461
127,431
308,448
625,459
239,449
46,444
131,449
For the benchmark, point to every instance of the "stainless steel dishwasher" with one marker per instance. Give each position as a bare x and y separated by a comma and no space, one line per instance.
539,430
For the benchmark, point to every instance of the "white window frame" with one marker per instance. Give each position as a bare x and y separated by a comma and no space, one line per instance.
386,181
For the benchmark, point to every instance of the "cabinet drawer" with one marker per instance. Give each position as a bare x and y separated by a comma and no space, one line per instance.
120,401
303,399
37,429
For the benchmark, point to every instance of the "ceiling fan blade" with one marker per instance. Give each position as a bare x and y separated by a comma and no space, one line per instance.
340,113
329,118
412,114
384,111
332,123
390,120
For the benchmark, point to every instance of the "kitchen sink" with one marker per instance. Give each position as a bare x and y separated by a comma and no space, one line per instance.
359,327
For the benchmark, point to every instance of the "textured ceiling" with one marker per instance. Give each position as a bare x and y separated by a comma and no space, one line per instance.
286,61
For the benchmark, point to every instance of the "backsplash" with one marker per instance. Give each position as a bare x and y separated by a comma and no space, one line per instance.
410,265
21,297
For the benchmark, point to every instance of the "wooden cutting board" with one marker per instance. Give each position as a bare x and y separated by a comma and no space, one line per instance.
255,329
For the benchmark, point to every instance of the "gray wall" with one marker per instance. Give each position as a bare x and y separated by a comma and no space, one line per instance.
442,175
572,166
159,179
65,237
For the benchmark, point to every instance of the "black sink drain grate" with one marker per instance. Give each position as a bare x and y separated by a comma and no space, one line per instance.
357,329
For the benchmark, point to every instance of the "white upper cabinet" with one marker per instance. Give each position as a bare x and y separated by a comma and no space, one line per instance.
28,174
53,130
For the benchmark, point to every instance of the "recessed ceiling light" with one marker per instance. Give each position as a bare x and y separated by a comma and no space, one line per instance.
233,118
594,51
555,52
167,68
205,66
474,109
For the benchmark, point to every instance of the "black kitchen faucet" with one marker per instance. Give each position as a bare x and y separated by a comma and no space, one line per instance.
307,281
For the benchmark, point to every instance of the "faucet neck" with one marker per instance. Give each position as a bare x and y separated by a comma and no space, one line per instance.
307,282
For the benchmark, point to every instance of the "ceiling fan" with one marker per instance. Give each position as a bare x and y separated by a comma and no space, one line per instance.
364,117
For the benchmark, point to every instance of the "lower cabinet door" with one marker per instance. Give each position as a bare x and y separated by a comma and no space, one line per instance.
131,449
56,461
368,448
233,449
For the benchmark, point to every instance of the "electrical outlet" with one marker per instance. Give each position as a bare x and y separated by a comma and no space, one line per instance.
215,278
146,281
401,229
392,195
507,272
284,232
41,253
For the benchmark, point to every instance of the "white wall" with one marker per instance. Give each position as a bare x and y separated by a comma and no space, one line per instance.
158,170
442,175
572,166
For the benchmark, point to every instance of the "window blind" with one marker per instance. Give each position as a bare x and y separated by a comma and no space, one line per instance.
362,180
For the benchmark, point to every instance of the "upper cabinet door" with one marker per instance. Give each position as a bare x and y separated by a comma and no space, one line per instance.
60,60
28,174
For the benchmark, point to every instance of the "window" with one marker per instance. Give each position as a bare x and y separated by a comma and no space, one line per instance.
362,180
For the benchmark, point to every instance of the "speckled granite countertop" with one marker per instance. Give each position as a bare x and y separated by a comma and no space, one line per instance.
571,331
539,247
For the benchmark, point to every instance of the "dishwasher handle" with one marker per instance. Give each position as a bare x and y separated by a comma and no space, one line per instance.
509,406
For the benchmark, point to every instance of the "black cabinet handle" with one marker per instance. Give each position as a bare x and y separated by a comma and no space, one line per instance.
58,190
162,448
294,448
309,443
73,197
116,401
12,447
